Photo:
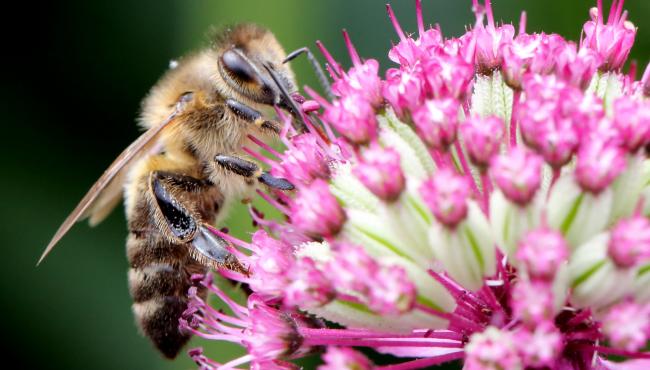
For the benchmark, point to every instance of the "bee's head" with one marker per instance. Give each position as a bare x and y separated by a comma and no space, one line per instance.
245,53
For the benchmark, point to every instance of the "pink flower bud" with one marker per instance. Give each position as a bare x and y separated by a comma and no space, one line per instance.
599,162
446,194
341,358
489,43
627,326
363,80
303,161
540,347
491,349
632,119
307,286
354,117
403,89
542,252
316,211
532,302
577,68
482,138
380,171
436,122
630,242
518,174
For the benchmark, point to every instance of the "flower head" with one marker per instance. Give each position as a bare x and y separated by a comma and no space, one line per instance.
486,201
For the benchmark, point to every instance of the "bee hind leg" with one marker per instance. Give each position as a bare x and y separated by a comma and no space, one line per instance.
181,225
250,170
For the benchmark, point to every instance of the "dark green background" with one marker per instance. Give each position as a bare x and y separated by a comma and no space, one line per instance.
71,91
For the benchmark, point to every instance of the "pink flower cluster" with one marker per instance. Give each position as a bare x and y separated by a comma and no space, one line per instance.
482,202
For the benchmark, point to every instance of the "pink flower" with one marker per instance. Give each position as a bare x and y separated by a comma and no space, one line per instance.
354,117
541,347
269,266
547,118
436,122
612,40
361,79
380,171
576,67
316,212
341,358
490,41
447,75
599,162
492,349
485,136
632,119
307,286
272,334
627,326
542,252
532,302
387,288
518,174
446,195
403,90
303,162
534,53
630,242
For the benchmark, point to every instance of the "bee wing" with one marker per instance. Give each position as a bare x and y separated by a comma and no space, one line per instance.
101,197
111,194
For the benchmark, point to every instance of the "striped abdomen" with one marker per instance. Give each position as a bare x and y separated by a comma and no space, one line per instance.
160,269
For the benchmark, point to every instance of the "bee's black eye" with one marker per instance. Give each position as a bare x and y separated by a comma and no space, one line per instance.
238,67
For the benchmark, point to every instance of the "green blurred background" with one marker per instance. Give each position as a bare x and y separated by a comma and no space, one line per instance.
68,108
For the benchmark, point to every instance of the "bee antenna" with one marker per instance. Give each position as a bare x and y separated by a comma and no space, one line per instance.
320,74
288,100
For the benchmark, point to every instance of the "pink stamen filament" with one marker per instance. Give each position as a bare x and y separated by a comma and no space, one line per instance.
265,146
315,341
240,311
365,334
490,15
351,50
424,362
619,352
418,13
236,362
335,66
522,23
230,238
255,154
465,167
486,185
396,25
513,118
273,202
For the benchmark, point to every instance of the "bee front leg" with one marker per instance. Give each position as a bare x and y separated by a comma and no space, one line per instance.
250,170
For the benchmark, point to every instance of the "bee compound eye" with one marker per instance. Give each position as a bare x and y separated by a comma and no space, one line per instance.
237,66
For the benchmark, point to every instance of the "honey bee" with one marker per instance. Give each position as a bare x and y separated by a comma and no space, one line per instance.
178,177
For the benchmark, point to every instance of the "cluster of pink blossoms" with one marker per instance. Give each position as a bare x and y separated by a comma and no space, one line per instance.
486,202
